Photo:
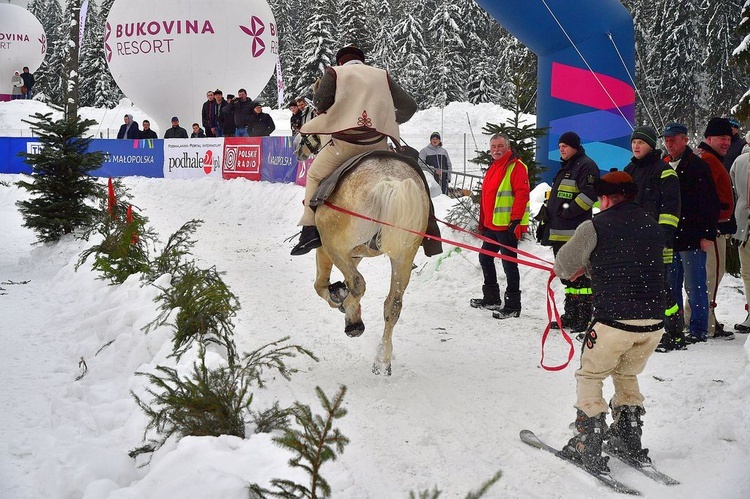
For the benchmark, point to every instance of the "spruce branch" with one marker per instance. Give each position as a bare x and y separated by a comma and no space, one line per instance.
314,444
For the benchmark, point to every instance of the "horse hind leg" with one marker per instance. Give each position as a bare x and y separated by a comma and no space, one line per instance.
400,276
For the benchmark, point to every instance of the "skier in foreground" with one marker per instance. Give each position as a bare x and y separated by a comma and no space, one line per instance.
621,250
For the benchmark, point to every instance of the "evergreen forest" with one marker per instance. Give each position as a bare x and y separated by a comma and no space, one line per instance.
450,50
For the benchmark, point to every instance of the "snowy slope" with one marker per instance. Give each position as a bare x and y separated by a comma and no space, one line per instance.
463,384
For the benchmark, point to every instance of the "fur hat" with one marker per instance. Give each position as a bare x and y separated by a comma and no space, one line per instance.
349,53
616,182
718,127
570,138
646,133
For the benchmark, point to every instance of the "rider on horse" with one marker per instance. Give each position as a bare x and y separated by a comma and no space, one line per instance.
360,107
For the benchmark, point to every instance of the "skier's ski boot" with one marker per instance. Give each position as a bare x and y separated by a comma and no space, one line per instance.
625,434
586,447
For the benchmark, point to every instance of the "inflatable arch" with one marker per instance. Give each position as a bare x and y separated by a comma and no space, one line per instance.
586,52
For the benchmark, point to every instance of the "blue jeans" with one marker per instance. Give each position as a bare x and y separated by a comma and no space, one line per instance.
512,277
241,132
690,267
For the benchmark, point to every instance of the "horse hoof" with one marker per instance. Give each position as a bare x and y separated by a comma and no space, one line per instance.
379,368
338,292
354,329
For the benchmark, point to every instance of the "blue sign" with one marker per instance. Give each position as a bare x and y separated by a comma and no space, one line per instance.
10,161
142,157
279,163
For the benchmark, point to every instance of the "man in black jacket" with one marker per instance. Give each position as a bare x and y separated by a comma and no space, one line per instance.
261,124
735,147
129,129
147,133
28,82
242,107
621,250
226,118
295,122
208,113
568,206
219,104
696,230
659,195
175,131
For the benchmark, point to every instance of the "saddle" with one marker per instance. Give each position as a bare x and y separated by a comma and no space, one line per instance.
430,246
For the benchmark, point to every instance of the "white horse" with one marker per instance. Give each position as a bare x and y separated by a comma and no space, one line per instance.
387,189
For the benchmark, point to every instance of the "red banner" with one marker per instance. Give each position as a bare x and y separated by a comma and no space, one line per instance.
242,157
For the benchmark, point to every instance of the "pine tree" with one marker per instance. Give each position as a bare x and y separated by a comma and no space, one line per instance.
319,39
411,69
48,84
741,57
448,51
484,38
675,63
98,88
384,48
724,81
290,16
108,93
355,25
61,186
517,84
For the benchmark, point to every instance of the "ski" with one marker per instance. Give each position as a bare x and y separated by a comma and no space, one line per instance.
648,470
528,437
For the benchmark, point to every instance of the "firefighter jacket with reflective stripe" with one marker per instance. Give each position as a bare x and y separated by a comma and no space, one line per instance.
571,197
658,191
505,194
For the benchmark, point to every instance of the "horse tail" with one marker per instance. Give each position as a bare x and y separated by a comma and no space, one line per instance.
401,203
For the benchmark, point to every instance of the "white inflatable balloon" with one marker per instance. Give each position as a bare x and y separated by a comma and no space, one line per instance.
22,43
166,55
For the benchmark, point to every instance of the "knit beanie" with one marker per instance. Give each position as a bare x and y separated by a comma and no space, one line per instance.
570,138
718,127
616,182
646,133
435,134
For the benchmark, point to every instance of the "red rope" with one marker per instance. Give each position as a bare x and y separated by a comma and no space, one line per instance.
551,305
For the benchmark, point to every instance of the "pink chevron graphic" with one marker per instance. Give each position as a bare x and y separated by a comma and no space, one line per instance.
580,86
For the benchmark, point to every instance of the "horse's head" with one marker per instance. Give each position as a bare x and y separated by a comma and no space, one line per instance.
306,146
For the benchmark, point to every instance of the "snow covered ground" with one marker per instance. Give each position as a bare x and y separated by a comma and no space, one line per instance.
463,383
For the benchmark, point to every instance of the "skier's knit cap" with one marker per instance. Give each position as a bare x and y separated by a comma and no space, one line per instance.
718,127
570,138
734,122
434,135
646,133
616,182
